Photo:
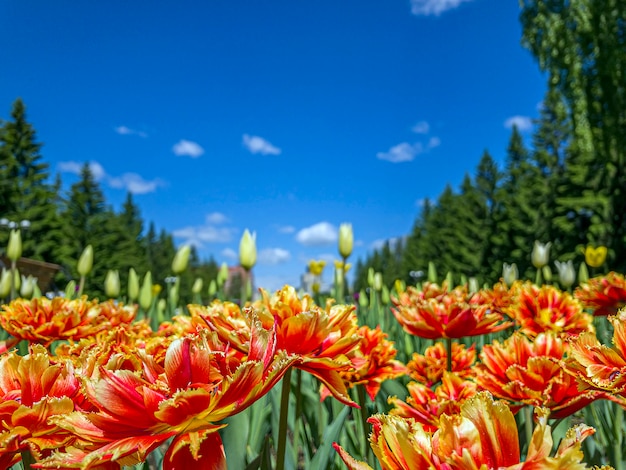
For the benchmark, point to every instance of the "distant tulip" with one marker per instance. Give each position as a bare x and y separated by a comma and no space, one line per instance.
567,273
112,284
222,274
28,286
346,240
510,274
247,250
14,249
85,262
133,285
70,289
181,259
541,254
370,276
145,295
595,256
583,273
378,281
384,295
363,299
212,288
197,285
5,283
316,267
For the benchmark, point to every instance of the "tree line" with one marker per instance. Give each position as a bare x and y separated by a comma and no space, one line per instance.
63,223
566,187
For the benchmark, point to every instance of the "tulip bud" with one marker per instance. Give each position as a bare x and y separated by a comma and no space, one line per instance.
449,280
378,281
14,249
370,277
384,295
133,285
174,292
112,284
247,250
567,273
541,254
161,306
197,285
5,283
36,291
212,288
17,280
181,259
473,285
432,272
85,262
510,274
346,240
363,299
547,273
145,295
222,274
399,286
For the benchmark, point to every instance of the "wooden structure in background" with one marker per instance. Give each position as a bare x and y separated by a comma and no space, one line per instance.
44,272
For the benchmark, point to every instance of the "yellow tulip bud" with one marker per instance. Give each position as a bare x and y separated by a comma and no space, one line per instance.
133,285
346,240
181,259
5,283
14,249
197,285
595,256
28,286
85,262
112,284
247,250
316,267
145,295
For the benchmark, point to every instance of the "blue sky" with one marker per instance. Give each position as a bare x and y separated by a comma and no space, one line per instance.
284,117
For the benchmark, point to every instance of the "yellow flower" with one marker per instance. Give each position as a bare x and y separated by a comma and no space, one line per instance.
595,256
316,267
340,266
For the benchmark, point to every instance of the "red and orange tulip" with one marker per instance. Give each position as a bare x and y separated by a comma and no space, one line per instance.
184,399
603,295
530,372
43,321
428,368
450,315
543,309
482,436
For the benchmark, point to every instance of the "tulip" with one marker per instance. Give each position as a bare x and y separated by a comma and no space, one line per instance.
595,256
567,274
316,267
384,295
247,250
197,286
363,299
14,249
378,281
222,274
70,289
583,273
212,288
346,240
541,254
5,283
145,295
181,259
370,276
133,285
28,286
112,284
510,274
85,262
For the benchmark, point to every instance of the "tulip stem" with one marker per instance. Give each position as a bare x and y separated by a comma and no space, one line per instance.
13,273
617,438
282,424
27,459
364,415
449,354
81,286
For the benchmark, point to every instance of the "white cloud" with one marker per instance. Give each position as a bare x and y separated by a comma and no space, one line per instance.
523,123
434,7
187,148
287,229
322,233
403,152
256,144
76,167
123,130
421,127
434,142
216,218
135,183
229,253
200,235
274,256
